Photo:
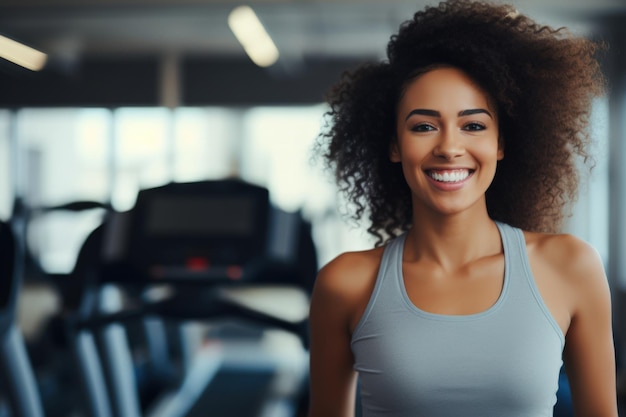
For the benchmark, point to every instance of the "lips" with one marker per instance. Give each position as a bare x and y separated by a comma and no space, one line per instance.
449,175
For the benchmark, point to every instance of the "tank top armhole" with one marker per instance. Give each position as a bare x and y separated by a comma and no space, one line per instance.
384,264
534,289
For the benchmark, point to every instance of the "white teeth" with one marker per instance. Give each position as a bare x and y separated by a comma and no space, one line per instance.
450,176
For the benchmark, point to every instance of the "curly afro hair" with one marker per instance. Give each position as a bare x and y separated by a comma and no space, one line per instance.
542,80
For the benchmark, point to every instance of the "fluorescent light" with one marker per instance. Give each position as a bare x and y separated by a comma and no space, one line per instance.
255,40
21,54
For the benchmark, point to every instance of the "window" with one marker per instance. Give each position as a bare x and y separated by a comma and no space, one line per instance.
104,155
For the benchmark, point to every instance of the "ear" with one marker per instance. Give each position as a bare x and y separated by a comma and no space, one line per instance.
500,149
394,152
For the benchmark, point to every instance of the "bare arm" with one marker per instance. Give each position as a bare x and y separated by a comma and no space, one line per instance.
332,378
589,350
340,295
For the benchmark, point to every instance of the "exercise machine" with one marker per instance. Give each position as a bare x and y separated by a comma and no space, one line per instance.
195,244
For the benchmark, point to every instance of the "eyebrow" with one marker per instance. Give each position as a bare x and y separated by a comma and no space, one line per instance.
435,113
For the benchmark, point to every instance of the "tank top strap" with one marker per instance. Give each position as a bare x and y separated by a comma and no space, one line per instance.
388,286
515,255
513,245
515,259
394,252
520,272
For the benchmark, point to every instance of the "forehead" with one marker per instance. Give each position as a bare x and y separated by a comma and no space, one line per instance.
442,88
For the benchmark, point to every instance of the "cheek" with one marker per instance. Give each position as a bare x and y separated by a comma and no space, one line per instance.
413,150
489,150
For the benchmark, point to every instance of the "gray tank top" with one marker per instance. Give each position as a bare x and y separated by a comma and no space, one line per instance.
503,361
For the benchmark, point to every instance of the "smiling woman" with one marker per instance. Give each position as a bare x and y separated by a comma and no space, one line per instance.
447,142
461,150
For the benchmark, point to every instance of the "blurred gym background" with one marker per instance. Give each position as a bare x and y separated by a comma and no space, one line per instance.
103,100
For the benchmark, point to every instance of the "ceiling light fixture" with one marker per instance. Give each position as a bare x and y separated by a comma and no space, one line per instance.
255,40
22,55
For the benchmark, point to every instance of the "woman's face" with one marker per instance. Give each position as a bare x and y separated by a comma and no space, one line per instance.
447,141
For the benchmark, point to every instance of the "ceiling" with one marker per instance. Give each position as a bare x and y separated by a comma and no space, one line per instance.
68,29
181,52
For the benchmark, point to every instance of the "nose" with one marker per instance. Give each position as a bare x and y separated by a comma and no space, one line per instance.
450,145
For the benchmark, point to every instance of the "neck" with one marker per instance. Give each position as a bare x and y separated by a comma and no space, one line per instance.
452,240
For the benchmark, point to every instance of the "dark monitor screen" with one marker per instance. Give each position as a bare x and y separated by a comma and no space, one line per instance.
196,216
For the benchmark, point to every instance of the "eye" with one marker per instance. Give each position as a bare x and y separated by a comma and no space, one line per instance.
422,127
474,126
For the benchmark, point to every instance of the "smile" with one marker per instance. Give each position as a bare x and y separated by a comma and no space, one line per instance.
449,176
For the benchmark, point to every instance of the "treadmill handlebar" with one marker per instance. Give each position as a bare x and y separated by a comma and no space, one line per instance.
197,306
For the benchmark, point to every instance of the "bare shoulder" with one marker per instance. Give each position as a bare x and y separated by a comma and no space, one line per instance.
564,252
569,259
349,268
348,281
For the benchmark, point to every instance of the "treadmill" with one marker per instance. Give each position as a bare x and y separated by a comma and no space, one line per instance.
203,252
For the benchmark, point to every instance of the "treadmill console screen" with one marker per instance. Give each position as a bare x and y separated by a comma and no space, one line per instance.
196,216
